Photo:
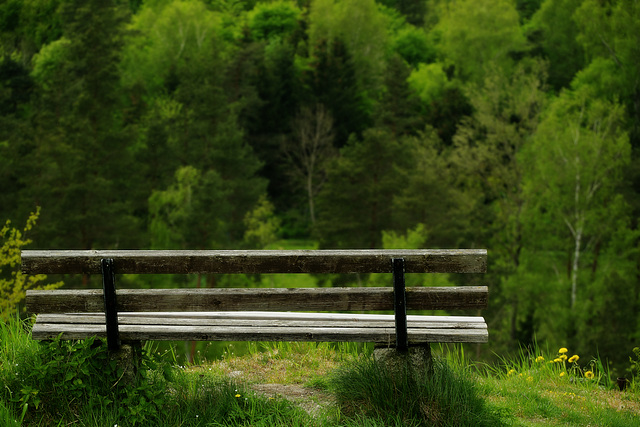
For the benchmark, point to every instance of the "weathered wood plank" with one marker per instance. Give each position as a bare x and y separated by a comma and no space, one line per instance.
299,316
257,261
240,333
263,299
317,322
263,315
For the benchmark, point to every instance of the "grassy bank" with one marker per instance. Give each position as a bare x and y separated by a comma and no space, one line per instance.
63,383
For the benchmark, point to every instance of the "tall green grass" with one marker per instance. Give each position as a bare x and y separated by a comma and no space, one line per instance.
77,383
405,396
63,383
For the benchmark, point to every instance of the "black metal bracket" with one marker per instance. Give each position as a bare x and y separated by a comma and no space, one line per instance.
400,304
110,305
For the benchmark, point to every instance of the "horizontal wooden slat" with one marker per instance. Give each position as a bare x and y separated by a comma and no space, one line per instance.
257,261
265,315
129,332
280,320
263,299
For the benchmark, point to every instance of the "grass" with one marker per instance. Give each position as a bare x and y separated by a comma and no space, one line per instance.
558,389
293,384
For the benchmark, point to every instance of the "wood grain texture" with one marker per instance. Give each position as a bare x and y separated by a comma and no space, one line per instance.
280,319
256,261
261,299
265,330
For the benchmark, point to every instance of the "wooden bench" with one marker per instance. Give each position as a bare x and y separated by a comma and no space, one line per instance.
258,314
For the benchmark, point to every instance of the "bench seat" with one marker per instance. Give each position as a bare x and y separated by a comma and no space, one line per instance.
263,326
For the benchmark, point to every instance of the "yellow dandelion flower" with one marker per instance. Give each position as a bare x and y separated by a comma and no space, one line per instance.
562,350
588,375
557,360
574,358
237,395
563,357
530,379
562,374
511,371
539,359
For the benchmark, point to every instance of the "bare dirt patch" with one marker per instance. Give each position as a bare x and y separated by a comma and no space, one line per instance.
312,400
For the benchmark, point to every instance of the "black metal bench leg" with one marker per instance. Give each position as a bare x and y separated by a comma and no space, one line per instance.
110,306
400,304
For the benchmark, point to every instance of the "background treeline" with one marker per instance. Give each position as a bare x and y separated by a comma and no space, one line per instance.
507,125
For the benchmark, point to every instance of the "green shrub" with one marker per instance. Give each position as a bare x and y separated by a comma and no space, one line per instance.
438,397
61,380
14,284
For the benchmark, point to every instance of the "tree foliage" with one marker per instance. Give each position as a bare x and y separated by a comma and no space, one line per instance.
508,125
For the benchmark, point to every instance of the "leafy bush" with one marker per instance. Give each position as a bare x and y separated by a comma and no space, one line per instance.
62,380
14,284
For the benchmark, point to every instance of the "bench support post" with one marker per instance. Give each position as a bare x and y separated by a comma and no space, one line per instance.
110,307
400,304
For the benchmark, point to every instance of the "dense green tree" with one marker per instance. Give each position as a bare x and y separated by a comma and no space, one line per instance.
355,204
475,34
429,82
527,8
608,30
27,25
16,87
358,24
262,225
332,82
555,30
78,126
269,20
575,179
399,110
576,213
429,198
166,41
413,45
180,215
487,149
445,112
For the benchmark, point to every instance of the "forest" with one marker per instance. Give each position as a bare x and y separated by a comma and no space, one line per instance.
511,125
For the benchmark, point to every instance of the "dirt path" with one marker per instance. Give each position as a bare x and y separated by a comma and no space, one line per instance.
310,399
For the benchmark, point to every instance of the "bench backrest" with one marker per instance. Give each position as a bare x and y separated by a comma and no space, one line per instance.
398,299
